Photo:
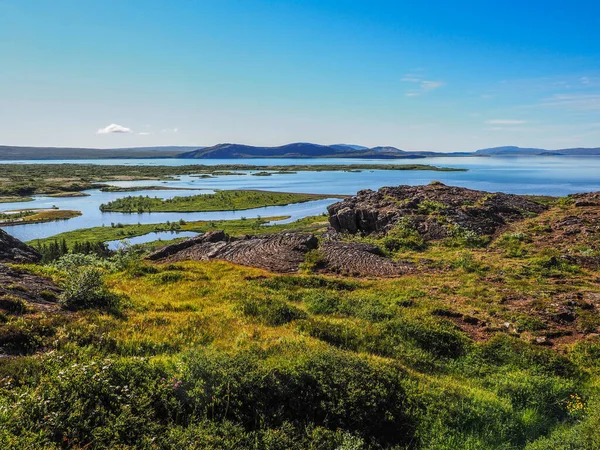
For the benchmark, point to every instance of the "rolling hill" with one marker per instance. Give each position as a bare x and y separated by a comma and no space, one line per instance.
294,150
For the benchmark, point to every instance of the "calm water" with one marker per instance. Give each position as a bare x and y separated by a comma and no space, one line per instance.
150,237
550,175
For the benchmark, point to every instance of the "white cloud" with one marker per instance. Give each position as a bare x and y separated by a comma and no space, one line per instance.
430,85
169,130
580,102
113,128
144,133
424,85
505,122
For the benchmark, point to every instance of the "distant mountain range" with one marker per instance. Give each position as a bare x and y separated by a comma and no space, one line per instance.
28,153
505,151
295,150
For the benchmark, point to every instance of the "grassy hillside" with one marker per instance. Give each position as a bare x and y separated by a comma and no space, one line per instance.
485,345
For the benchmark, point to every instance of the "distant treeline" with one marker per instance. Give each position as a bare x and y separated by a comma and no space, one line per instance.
54,250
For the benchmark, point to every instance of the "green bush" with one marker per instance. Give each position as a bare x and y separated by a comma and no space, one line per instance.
308,282
13,305
273,312
462,238
85,288
322,302
167,277
403,238
20,336
324,388
313,260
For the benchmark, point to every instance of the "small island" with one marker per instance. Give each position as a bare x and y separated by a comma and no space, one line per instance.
234,200
15,199
28,216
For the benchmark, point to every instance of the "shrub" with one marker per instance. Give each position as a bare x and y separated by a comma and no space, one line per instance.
462,238
439,337
467,263
322,302
313,260
13,305
321,387
270,311
403,237
22,336
85,288
167,277
296,282
75,261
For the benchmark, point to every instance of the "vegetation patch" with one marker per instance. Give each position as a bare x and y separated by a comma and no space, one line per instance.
220,201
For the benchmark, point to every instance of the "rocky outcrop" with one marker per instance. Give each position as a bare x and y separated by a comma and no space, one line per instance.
37,291
211,237
283,252
13,250
432,210
358,259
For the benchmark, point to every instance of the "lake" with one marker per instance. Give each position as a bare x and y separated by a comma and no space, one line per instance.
540,175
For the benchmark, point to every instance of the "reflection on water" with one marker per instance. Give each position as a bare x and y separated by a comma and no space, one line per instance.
150,237
552,175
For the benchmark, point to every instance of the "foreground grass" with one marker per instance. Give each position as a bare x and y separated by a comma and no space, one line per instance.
212,355
219,201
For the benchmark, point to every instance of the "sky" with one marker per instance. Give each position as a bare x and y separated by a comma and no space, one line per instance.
418,75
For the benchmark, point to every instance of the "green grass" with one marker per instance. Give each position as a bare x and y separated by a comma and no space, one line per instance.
219,201
145,188
210,355
69,194
214,355
232,227
35,216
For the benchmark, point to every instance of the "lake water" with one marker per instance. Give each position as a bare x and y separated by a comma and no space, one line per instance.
150,237
541,175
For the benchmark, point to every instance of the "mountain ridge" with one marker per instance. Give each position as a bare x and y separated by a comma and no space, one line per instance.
292,150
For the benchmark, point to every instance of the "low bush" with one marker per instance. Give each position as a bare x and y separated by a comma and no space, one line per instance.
308,282
322,388
13,305
270,311
85,288
313,260
462,238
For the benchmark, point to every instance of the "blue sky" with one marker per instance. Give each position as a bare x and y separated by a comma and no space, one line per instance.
431,75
